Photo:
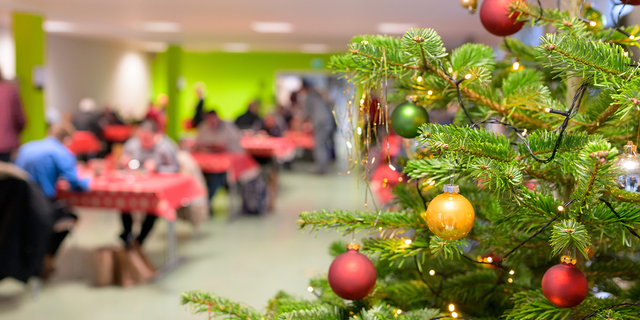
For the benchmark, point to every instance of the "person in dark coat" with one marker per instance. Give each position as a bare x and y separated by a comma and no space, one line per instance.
87,119
250,119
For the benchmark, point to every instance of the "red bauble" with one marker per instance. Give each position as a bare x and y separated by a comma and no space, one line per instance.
352,275
564,285
496,18
631,2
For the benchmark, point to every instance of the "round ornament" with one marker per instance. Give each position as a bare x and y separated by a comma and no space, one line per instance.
564,285
631,2
407,118
628,164
497,19
472,5
450,216
352,275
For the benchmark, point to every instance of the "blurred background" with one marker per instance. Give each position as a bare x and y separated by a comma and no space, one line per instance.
126,58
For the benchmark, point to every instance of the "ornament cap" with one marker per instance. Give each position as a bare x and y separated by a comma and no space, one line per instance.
412,97
353,246
451,188
568,260
630,148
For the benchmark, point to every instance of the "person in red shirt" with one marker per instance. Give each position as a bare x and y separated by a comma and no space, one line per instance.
11,119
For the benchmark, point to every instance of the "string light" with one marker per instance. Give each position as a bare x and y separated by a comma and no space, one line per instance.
362,101
560,208
373,160
454,315
512,272
349,144
407,242
632,37
359,131
510,280
524,133
399,311
450,70
489,259
429,92
452,307
592,23
467,76
547,110
419,78
626,54
432,272
516,65
310,289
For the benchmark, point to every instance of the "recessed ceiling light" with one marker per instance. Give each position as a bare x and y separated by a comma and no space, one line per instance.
57,26
313,48
161,26
235,47
395,28
272,27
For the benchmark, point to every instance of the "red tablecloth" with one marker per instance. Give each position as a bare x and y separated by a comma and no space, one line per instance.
241,166
382,182
281,148
117,132
301,139
84,142
158,194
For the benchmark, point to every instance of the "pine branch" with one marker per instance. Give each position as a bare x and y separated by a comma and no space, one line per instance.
354,221
200,301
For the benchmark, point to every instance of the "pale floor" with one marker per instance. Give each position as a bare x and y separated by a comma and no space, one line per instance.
248,259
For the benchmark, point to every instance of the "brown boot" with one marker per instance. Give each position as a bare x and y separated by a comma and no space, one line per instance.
48,267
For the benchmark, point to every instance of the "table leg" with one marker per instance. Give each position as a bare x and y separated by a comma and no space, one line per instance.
234,211
171,258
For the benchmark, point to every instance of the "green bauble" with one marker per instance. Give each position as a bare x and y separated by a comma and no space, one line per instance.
407,118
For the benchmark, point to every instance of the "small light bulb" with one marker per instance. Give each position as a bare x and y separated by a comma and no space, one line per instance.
392,167
560,208
452,307
365,42
349,144
467,76
399,311
429,92
380,228
524,133
432,182
632,37
450,70
359,131
489,259
512,272
373,160
310,289
516,65
547,110
361,101
400,179
419,78
592,23
454,314
432,272
626,54
407,242
510,280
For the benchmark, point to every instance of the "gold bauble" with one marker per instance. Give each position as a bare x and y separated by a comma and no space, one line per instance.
472,5
450,216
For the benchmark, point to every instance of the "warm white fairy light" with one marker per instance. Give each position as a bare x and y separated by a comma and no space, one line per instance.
524,133
399,311
349,144
310,289
392,167
452,307
407,242
400,179
362,101
560,208
512,272
467,76
489,259
454,315
516,65
632,37
429,92
359,131
593,23
373,160
432,272
510,280
419,79
450,70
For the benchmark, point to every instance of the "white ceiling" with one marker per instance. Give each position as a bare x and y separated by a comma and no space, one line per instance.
210,24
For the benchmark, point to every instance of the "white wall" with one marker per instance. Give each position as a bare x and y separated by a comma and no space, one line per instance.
109,71
7,53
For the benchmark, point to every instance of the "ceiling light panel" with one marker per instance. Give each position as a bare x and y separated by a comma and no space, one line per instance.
395,28
57,26
313,48
161,26
272,27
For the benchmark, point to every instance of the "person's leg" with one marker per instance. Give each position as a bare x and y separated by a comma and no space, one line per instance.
147,225
321,151
5,157
127,226
215,181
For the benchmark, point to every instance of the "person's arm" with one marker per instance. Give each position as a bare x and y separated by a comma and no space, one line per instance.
199,115
17,112
66,163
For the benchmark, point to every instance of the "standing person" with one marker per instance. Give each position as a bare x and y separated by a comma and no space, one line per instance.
45,161
157,154
318,112
11,119
217,136
198,116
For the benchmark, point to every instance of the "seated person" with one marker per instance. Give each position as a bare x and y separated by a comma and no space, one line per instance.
250,120
218,136
47,160
156,153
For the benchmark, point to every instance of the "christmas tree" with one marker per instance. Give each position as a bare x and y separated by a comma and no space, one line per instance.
536,223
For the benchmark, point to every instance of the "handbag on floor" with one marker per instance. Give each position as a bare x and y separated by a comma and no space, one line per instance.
254,196
104,266
133,267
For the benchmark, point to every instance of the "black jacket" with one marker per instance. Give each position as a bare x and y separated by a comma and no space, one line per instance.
26,221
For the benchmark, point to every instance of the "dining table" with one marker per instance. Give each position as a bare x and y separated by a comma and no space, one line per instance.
280,148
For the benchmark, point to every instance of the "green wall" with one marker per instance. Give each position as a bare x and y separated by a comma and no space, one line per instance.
29,46
231,79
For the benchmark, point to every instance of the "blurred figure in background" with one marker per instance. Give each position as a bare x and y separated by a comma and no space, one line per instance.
11,119
215,135
157,112
274,124
47,160
198,116
154,152
250,120
109,117
87,119
319,114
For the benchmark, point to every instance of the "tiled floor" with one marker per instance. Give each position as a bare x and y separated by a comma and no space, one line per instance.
249,260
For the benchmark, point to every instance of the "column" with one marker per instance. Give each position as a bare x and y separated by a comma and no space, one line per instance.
174,57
